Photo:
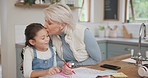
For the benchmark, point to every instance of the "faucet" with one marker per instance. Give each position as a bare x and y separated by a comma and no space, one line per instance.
139,57
140,34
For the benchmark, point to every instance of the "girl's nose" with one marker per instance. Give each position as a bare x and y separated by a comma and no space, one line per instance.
47,39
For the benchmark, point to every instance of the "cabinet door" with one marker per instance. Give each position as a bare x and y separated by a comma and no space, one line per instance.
19,61
143,51
102,46
119,49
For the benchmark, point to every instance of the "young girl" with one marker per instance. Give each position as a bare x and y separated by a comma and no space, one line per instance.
39,57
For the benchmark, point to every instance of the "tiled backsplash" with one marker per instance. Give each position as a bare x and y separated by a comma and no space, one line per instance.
19,33
131,28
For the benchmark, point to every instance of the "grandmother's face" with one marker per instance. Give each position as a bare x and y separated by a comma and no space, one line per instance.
54,28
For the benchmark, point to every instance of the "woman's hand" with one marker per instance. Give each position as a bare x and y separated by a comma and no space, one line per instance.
66,69
53,71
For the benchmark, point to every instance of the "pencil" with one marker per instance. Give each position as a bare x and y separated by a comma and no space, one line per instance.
68,66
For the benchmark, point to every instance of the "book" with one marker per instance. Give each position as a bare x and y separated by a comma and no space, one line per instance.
83,72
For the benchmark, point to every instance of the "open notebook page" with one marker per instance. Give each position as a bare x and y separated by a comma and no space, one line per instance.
82,72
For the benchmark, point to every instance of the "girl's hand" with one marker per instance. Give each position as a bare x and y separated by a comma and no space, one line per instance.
53,70
66,69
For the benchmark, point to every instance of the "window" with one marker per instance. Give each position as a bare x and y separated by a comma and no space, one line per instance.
84,13
137,11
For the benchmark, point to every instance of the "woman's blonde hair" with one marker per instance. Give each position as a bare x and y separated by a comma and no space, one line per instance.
60,13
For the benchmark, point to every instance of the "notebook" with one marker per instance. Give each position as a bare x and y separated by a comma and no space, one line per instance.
82,72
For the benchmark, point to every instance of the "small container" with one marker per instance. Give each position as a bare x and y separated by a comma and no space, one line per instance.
21,0
70,2
146,54
37,1
132,52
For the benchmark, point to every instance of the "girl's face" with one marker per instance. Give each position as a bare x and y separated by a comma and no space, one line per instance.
54,28
41,40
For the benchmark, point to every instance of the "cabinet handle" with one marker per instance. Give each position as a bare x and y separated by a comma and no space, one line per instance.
127,49
103,52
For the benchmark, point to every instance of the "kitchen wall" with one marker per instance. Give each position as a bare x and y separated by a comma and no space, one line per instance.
0,35
36,15
0,29
26,16
8,53
97,20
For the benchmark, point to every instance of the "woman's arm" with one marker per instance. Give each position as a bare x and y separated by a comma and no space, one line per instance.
60,62
92,48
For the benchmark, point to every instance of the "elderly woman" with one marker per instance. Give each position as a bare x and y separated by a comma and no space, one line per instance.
74,43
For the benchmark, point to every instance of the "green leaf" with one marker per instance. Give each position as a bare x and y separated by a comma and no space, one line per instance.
101,27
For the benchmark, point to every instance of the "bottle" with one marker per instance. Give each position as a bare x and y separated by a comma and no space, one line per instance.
132,53
146,55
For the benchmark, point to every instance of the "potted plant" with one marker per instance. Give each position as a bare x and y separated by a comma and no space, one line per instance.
101,29
30,2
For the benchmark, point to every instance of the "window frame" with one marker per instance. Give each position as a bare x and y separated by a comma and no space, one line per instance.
126,15
88,11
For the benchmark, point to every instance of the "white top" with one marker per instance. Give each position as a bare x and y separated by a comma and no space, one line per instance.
28,58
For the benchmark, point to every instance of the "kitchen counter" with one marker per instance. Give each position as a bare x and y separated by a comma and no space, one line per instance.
123,41
113,40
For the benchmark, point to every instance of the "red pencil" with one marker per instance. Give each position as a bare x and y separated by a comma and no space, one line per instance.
68,66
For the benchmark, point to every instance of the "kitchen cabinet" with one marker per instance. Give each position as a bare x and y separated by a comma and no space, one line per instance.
103,48
19,60
114,49
118,49
143,51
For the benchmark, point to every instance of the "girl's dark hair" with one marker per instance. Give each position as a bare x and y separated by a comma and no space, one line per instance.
30,32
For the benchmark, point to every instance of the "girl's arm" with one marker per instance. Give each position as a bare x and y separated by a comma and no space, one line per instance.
49,72
27,62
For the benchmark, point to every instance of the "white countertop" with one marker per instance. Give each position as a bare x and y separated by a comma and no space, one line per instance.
122,41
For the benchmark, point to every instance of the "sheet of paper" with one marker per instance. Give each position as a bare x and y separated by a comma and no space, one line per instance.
120,75
82,72
129,60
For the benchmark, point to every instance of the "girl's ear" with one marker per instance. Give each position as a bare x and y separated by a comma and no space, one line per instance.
32,42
